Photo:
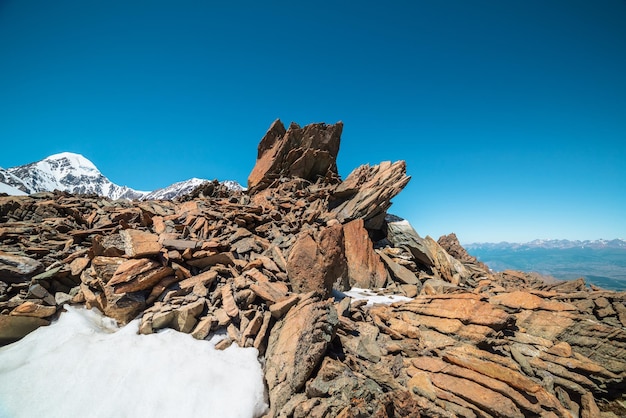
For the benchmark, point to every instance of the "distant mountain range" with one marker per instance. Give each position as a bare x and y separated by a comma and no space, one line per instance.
76,174
601,262
549,244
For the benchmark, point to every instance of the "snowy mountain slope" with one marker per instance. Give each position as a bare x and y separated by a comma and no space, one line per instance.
76,174
15,182
72,173
184,187
177,189
10,190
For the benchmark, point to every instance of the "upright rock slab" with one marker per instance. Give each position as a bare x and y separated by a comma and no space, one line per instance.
365,268
296,347
317,262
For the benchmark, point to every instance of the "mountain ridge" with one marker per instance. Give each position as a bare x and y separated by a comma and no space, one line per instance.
76,174
617,243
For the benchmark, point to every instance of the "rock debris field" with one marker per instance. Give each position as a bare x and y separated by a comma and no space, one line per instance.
269,268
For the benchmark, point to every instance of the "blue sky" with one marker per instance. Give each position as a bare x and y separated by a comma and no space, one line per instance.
511,115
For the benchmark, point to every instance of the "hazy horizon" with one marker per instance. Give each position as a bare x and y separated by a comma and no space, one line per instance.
511,116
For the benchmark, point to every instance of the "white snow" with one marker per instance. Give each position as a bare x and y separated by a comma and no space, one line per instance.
373,298
177,189
77,163
84,365
10,190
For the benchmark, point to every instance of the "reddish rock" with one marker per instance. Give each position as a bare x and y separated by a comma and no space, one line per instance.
138,274
365,268
367,192
296,346
139,244
317,264
309,153
467,310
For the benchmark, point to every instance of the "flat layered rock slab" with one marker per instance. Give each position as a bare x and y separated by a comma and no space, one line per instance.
467,310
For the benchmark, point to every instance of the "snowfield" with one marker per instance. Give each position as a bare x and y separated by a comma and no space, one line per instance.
84,365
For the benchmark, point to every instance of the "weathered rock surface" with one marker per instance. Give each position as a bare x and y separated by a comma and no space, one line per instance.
261,268
365,267
367,192
14,328
308,153
317,261
16,268
296,346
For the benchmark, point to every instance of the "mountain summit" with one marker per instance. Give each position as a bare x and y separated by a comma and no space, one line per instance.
76,174
72,173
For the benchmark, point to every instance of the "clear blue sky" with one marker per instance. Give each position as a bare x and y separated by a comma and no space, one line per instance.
511,115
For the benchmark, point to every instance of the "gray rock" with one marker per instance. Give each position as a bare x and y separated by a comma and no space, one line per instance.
17,268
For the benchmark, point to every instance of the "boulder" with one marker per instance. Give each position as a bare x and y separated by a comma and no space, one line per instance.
14,328
427,252
317,262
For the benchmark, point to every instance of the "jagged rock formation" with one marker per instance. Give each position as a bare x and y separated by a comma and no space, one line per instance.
307,153
268,267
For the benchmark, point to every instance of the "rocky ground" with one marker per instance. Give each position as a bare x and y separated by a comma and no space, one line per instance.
268,268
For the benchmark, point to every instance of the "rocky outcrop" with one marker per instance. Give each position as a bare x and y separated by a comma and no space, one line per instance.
308,153
367,192
268,269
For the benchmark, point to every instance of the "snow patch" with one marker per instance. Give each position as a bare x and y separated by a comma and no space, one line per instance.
84,365
373,298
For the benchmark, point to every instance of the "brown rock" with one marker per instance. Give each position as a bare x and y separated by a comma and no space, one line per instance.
138,274
309,153
296,346
14,328
589,408
34,309
204,327
467,310
78,265
316,265
278,310
207,278
399,272
486,399
139,244
109,245
367,192
185,317
228,302
365,269
420,384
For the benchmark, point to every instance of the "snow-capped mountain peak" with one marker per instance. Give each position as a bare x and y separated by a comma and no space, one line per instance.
70,172
74,173
66,162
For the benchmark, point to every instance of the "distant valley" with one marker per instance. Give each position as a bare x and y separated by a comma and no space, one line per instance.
600,262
